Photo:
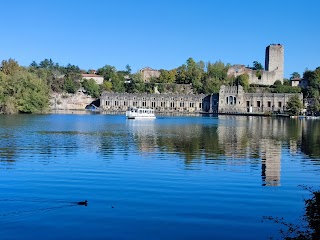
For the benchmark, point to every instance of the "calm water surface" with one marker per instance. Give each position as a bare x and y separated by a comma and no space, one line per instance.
169,178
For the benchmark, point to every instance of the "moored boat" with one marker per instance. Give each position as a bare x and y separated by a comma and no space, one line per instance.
140,113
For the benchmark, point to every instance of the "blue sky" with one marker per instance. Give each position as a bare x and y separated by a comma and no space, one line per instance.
159,34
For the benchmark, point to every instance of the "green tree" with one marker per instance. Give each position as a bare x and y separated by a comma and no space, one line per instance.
9,67
91,87
167,76
257,65
108,72
23,92
106,86
128,69
277,83
46,63
136,84
286,82
315,107
313,78
117,83
35,95
211,85
295,75
194,74
182,75
217,70
70,86
243,80
294,105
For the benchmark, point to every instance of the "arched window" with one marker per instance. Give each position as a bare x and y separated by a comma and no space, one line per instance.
230,100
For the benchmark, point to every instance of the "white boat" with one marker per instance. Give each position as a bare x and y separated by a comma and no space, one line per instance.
140,113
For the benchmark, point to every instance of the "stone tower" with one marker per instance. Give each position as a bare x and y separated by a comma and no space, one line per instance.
275,60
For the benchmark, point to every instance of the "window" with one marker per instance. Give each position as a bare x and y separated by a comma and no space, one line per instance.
279,104
269,103
258,103
181,104
248,103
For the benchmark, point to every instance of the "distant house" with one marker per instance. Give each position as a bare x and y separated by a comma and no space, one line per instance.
295,82
148,73
99,79
299,82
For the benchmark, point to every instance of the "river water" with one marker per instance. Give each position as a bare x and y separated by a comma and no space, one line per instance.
175,177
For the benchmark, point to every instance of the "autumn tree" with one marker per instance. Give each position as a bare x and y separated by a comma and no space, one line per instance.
9,67
167,76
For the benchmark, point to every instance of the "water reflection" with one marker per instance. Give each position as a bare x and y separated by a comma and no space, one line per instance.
143,133
233,140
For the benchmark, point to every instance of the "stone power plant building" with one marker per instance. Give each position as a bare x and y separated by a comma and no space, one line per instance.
234,100
230,99
175,103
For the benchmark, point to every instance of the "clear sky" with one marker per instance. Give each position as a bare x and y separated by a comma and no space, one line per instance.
161,34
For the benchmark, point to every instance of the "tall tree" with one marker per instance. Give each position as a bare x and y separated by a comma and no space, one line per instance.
107,72
294,105
128,69
167,76
9,67
46,63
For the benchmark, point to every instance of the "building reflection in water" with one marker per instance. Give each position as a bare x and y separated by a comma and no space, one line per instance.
143,132
270,162
255,138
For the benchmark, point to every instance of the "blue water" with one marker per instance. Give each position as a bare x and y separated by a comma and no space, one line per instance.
175,177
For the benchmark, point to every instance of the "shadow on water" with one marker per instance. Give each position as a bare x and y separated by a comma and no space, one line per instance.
309,227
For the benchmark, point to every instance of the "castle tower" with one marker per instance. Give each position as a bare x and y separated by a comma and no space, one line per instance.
274,61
